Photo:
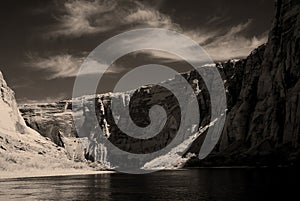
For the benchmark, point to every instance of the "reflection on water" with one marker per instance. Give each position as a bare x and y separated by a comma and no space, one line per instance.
196,184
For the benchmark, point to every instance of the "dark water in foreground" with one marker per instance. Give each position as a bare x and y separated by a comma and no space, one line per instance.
195,184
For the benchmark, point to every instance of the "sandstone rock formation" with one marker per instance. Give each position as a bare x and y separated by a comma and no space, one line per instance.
262,125
10,118
51,120
22,148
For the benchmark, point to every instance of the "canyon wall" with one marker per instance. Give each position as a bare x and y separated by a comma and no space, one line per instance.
22,148
10,118
262,124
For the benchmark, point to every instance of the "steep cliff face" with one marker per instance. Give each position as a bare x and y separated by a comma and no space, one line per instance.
279,84
275,91
262,127
10,118
51,120
22,148
55,120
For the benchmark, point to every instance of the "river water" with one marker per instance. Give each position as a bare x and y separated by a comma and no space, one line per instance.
192,184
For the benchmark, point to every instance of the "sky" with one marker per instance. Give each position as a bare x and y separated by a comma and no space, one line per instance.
43,43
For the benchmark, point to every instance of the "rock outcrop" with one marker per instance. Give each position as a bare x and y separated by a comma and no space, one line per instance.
10,118
22,148
262,126
54,120
51,120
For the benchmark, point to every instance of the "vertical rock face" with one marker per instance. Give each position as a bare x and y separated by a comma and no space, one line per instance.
242,98
55,120
268,106
281,68
10,118
51,120
22,148
265,118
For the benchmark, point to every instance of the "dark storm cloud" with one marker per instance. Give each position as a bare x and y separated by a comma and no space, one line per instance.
44,42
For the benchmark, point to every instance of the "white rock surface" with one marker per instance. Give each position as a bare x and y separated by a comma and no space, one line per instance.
23,151
10,118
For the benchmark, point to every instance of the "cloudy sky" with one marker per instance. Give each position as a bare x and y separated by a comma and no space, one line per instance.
43,43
